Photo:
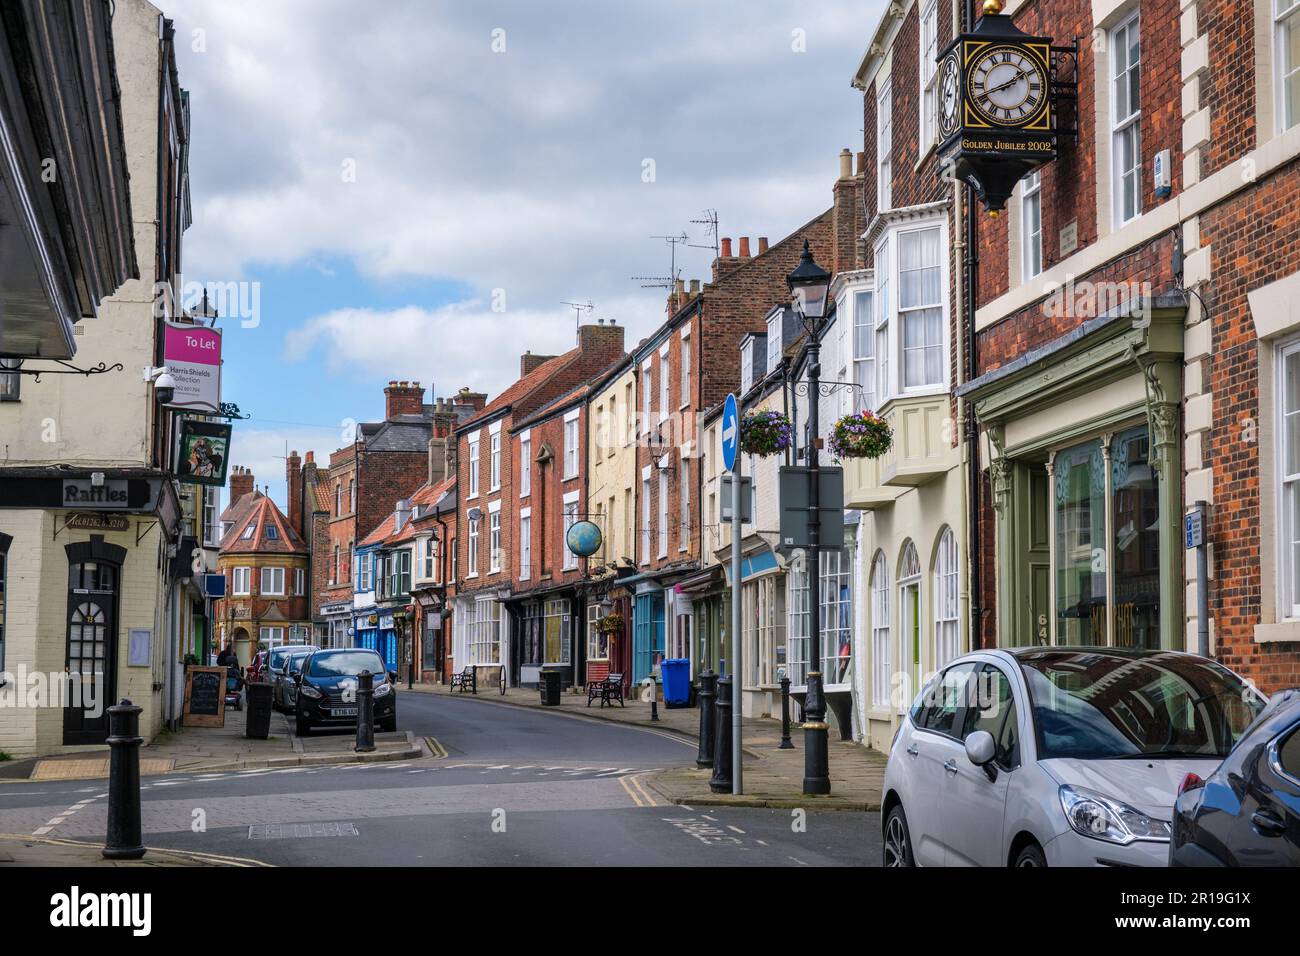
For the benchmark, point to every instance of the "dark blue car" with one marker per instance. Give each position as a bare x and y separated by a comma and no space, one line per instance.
327,686
1248,812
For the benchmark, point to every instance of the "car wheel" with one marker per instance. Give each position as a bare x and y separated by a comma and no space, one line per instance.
301,727
389,724
898,843
1032,855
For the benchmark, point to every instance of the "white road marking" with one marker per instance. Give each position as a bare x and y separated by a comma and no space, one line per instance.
735,829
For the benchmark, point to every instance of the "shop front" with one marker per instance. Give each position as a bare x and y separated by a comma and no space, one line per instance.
1083,438
544,636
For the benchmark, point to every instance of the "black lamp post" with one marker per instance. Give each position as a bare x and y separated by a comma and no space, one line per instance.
407,616
809,285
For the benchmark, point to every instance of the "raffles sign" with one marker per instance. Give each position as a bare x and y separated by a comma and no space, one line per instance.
193,355
84,493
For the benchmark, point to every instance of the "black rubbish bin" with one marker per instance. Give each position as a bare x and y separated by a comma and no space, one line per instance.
258,721
549,684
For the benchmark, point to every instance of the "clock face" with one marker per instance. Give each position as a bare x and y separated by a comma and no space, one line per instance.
949,95
1006,86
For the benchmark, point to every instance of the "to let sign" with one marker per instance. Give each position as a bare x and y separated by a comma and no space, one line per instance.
193,355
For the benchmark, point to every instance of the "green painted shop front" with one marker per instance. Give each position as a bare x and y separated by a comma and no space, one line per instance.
1085,467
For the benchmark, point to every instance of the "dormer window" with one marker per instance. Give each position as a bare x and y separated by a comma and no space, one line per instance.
775,340
272,532
248,532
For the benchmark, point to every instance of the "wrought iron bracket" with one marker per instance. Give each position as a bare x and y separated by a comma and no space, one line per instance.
68,369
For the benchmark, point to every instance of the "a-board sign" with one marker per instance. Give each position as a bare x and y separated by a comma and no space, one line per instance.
205,697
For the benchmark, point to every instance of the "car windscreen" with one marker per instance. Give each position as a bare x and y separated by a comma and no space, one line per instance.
1097,706
346,664
294,661
277,658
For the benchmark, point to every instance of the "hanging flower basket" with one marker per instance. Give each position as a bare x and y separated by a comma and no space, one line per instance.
610,623
765,433
861,435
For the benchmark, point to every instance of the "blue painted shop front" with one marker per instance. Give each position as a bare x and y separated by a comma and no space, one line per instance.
376,633
647,634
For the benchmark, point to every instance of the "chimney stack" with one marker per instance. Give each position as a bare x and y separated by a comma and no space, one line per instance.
528,362
474,400
241,483
403,398
726,261
595,339
444,421
293,479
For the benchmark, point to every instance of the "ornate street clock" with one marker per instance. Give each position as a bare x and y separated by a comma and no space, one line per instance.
998,99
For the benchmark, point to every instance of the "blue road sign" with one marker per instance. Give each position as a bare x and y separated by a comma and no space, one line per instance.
730,433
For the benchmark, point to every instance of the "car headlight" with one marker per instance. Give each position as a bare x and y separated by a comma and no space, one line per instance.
310,691
1102,818
383,690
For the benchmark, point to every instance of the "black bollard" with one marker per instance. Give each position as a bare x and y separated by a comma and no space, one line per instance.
365,712
654,707
122,842
707,694
473,676
785,715
720,782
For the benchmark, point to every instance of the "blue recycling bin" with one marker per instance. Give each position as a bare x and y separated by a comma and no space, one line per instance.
676,673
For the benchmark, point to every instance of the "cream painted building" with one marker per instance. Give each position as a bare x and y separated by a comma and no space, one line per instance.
98,541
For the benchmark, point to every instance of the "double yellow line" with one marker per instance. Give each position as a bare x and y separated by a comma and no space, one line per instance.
637,791
438,750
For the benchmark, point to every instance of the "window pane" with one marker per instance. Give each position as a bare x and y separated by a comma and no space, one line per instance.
1136,507
1080,545
1291,411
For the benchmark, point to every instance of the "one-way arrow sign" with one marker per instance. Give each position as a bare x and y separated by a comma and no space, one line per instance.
730,432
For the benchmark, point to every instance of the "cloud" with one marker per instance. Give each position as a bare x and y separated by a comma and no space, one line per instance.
263,449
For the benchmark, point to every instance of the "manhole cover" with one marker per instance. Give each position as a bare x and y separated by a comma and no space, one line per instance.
290,831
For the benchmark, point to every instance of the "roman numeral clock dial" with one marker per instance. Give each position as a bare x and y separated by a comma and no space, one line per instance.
1006,87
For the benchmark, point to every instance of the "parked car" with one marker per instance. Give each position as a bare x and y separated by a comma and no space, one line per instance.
255,672
1246,813
1060,756
327,690
275,663
285,688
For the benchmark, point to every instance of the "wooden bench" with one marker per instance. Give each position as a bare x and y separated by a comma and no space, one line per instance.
608,688
464,681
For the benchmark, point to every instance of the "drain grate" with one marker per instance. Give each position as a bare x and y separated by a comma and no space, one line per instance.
295,831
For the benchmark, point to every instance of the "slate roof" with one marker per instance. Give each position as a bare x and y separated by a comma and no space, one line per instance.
257,510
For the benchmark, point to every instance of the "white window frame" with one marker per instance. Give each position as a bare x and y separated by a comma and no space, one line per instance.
1031,226
947,630
276,578
525,464
647,393
863,299
664,382
494,466
686,367
299,582
1122,127
684,503
270,635
1288,493
775,334
241,582
485,632
366,572
211,517
645,514
884,147
883,271
473,453
890,317
471,547
572,445
928,126
663,513
882,643
494,541
525,543
570,516
1284,21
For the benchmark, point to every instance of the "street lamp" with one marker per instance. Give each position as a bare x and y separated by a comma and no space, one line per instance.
809,285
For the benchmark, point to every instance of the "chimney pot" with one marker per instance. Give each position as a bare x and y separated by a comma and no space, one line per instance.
862,163
695,287
762,244
744,247
726,248
846,164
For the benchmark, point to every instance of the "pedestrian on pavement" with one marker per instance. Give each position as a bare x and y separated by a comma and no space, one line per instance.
228,657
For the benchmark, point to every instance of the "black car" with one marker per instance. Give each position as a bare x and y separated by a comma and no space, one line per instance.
327,685
1248,812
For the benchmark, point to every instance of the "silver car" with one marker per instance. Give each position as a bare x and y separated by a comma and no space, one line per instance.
1056,756
277,672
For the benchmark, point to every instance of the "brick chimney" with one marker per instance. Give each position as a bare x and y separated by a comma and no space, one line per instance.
293,479
601,338
725,262
444,420
744,247
474,400
848,221
241,483
528,361
403,398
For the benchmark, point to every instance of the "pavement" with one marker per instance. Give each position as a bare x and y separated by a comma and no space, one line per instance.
208,749
16,850
772,777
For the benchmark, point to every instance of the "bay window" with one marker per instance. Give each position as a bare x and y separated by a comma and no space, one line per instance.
864,350
485,632
910,350
762,615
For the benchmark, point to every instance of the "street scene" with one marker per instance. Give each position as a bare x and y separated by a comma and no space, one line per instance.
641,436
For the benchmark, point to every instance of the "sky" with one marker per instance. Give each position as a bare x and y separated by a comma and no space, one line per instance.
410,190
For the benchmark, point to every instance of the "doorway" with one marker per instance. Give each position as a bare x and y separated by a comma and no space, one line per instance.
91,651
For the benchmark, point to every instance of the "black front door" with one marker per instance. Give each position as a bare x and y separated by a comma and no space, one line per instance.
91,652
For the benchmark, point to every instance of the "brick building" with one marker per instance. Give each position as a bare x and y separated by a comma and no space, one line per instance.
496,471
388,461
1137,343
266,562
677,379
